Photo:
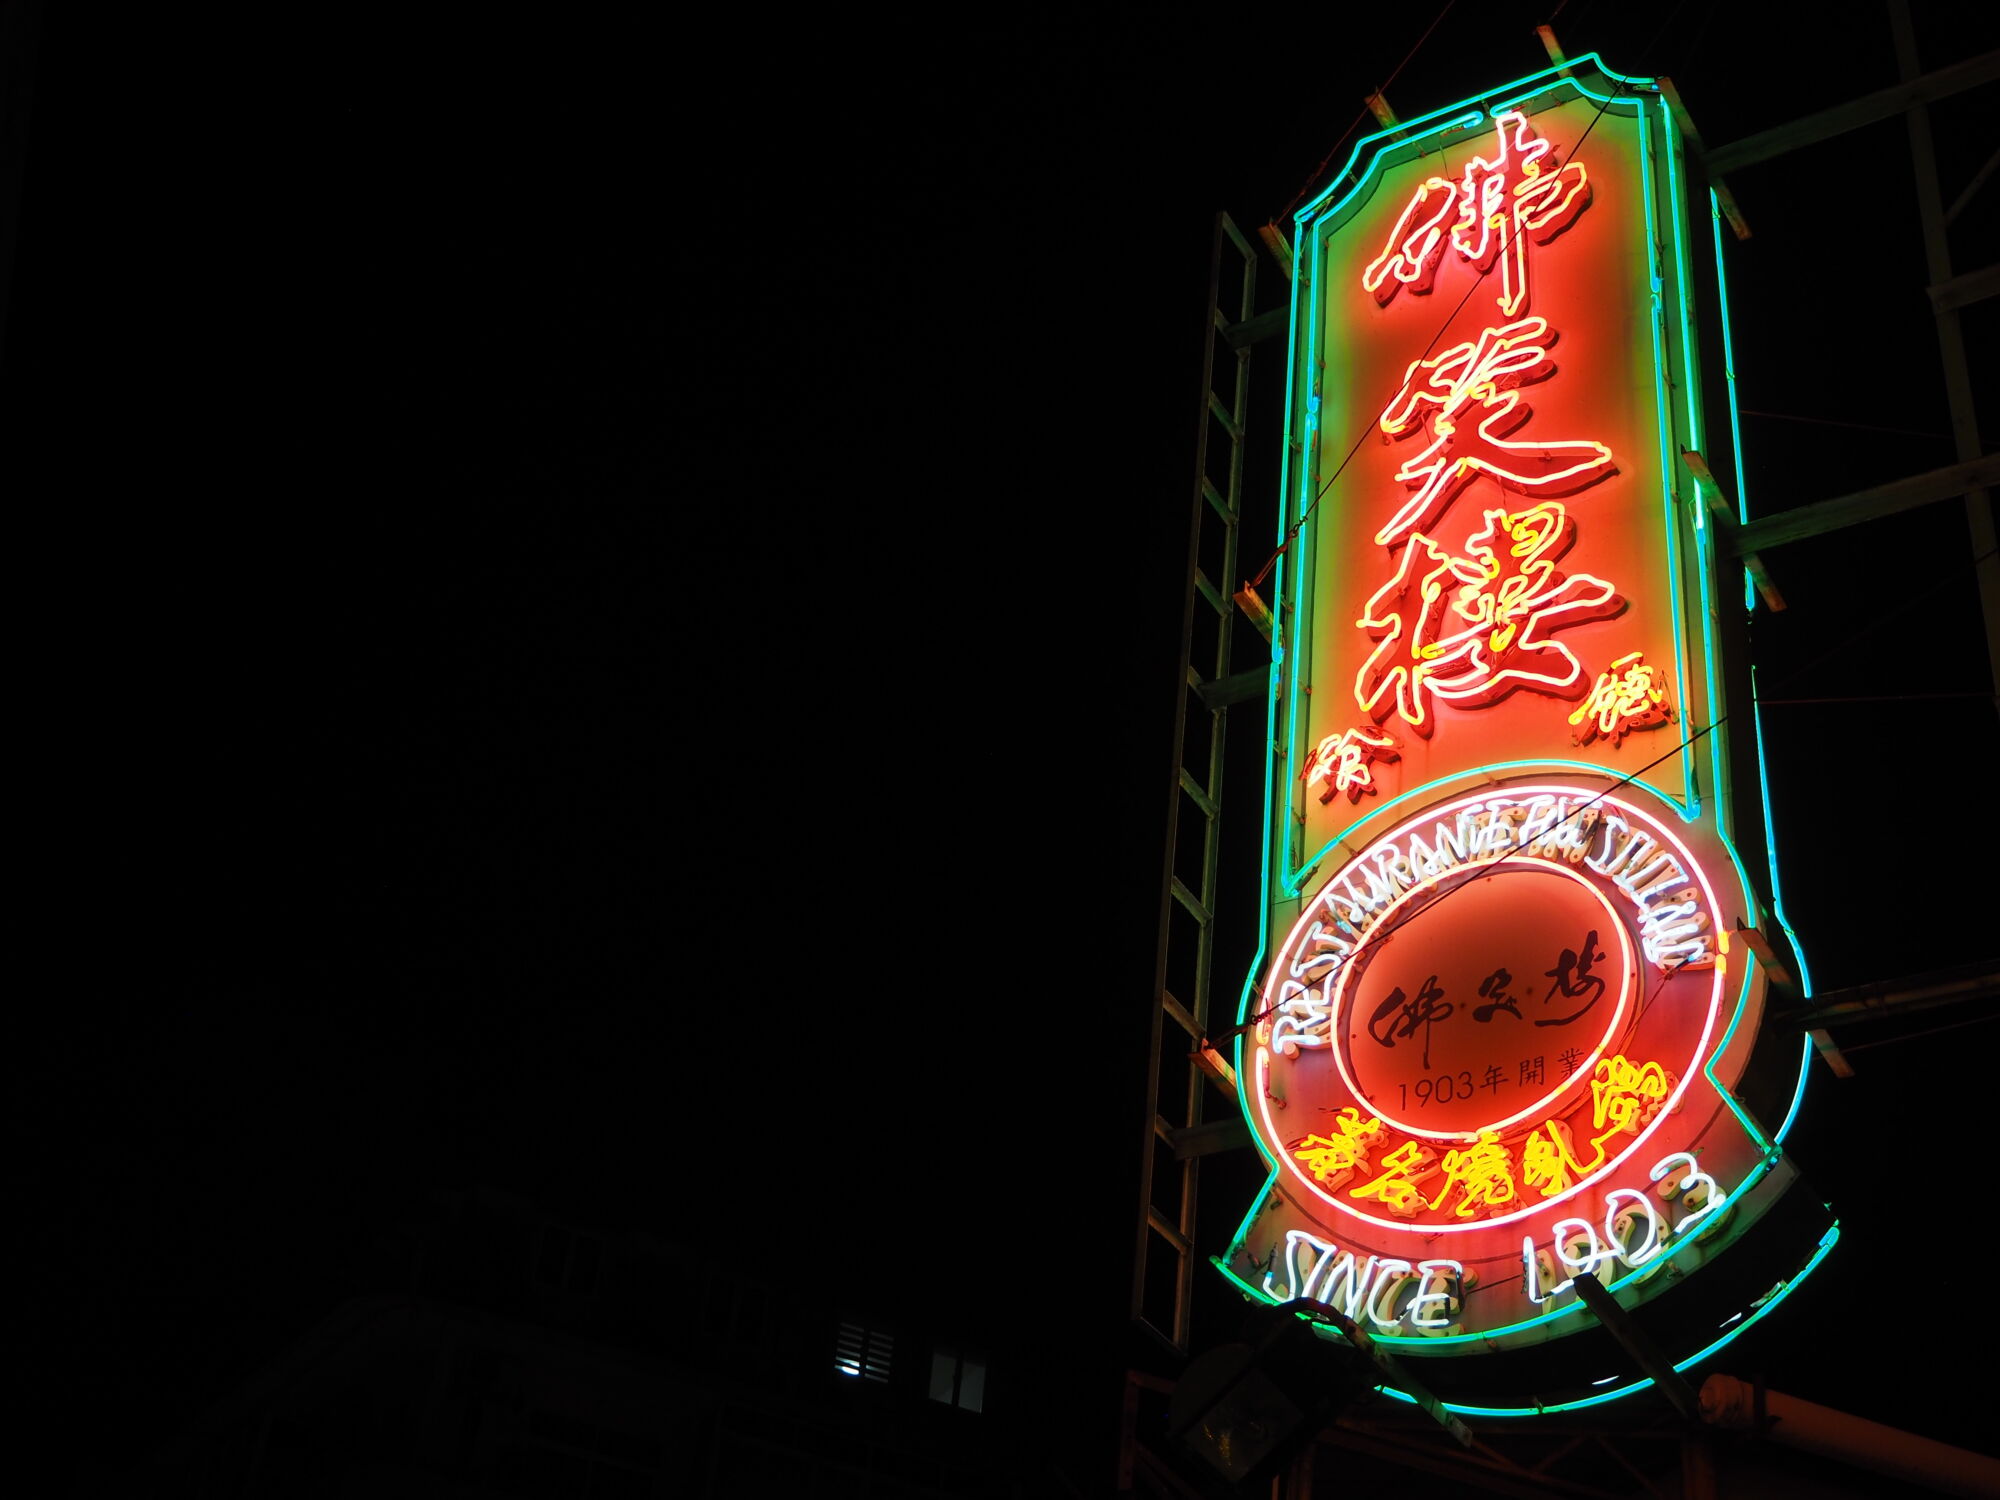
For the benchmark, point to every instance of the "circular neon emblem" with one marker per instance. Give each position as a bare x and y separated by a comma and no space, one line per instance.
1486,1012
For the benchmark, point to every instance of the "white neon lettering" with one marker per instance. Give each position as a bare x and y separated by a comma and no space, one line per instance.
1618,1226
1441,1281
1537,1270
1586,1233
1302,1018
1297,1240
1389,1283
1346,1288
1697,1185
1334,948
1538,817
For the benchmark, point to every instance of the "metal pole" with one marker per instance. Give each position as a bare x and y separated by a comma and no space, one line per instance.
1951,341
1729,1402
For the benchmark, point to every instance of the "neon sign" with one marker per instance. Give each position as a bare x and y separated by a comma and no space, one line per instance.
1496,1033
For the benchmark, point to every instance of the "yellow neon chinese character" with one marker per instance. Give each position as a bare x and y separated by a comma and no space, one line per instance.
1335,1158
1483,1173
1625,1095
1624,699
1396,1188
1548,1159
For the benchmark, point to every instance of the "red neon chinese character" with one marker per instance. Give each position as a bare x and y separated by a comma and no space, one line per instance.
1341,762
1502,203
1469,630
1444,393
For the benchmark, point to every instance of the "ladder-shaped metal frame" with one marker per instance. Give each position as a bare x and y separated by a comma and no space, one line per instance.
1182,1021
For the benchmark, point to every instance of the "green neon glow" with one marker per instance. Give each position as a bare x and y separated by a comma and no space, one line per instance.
1669,458
1729,372
1314,406
1705,541
1302,278
1768,1146
1771,835
1799,1091
1826,1244
1439,122
1455,116
1670,133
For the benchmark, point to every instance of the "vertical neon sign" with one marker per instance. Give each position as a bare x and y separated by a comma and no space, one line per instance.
1498,1028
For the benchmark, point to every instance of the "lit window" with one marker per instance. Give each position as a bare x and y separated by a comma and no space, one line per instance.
958,1380
863,1352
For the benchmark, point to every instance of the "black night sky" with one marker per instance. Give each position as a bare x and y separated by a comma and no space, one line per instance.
601,604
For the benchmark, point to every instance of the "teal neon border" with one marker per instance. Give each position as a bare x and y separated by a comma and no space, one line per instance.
1729,372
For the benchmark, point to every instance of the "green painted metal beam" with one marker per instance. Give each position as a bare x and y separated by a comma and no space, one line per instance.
1866,505
1866,110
